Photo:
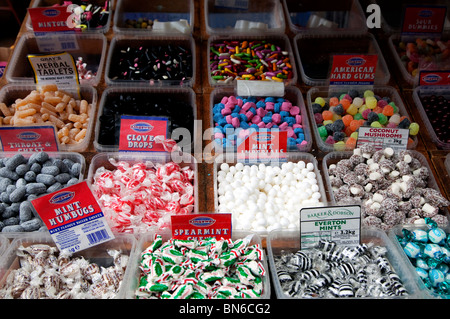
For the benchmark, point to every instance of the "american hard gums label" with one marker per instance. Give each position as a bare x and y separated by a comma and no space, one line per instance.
351,69
424,19
341,224
427,78
201,226
263,146
29,139
59,69
138,133
380,138
73,218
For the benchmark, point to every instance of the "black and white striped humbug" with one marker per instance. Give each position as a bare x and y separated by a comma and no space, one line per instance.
346,290
326,245
283,276
346,269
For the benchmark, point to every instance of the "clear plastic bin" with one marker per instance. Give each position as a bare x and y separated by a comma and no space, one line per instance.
427,91
10,92
318,17
98,254
289,242
91,48
147,239
122,42
49,3
160,10
4,244
324,92
293,94
226,17
184,160
185,95
314,54
280,40
335,157
423,290
447,163
295,157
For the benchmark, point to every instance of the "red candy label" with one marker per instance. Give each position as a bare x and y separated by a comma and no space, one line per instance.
424,19
73,217
200,226
434,78
138,133
50,19
350,69
261,146
29,139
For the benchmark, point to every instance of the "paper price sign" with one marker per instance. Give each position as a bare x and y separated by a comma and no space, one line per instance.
29,139
350,69
137,133
427,78
424,19
380,138
50,19
341,224
73,218
263,146
200,226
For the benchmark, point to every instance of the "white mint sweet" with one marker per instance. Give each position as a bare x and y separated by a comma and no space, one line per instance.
263,198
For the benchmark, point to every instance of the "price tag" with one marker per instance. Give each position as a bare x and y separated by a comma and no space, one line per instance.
73,218
29,139
263,146
418,19
352,69
380,138
51,19
341,224
428,78
137,133
200,226
58,68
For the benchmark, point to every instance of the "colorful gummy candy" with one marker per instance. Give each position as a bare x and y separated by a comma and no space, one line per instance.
201,269
339,117
424,54
428,249
236,117
249,60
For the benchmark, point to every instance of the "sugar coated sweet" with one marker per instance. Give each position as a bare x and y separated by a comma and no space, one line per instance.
142,196
339,117
392,187
330,271
249,60
44,272
201,269
263,197
235,118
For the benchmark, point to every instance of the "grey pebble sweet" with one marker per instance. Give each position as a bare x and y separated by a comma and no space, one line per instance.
23,179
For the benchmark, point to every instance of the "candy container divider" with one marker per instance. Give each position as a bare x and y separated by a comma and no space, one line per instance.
289,241
140,7
426,91
92,47
122,41
323,91
335,157
424,292
356,16
147,238
126,243
10,92
292,93
279,39
295,157
382,74
273,8
185,93
102,160
43,3
4,244
447,163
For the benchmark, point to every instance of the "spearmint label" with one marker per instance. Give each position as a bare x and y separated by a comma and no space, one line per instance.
341,224
73,218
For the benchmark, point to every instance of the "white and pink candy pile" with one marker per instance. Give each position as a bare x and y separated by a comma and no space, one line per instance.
263,197
138,197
